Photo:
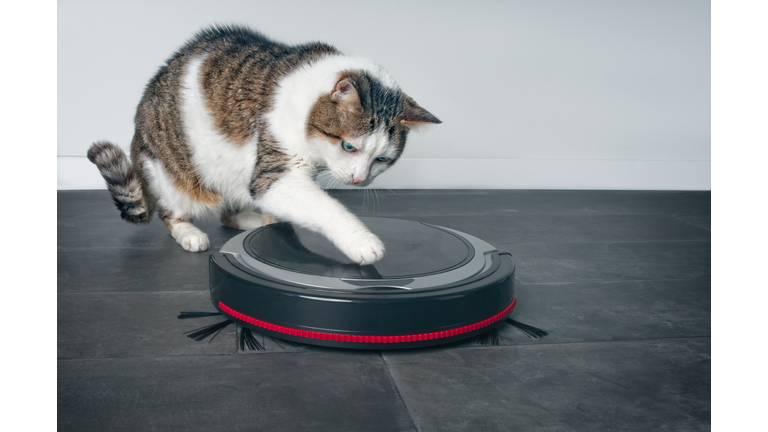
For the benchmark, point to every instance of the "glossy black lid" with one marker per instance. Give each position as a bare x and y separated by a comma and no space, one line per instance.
413,249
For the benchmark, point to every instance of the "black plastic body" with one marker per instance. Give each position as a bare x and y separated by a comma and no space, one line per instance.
377,312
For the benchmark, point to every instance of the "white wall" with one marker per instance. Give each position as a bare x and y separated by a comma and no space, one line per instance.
532,94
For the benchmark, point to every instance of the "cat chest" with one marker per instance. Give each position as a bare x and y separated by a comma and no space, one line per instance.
227,168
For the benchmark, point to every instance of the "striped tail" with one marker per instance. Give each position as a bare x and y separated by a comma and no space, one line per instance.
122,181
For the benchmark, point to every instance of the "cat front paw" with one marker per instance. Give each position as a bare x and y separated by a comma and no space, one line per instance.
364,249
190,238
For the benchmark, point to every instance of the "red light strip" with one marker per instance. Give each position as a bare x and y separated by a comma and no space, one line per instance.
369,339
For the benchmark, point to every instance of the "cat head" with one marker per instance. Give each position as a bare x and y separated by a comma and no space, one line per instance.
359,128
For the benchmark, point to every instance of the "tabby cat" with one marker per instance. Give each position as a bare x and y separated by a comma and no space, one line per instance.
235,122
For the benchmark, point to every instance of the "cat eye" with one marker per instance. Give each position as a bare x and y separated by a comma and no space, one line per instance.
347,146
383,159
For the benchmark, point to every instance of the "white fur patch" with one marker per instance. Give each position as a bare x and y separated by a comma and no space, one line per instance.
248,220
168,196
225,167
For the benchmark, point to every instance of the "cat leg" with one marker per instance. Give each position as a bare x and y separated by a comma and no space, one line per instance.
176,207
244,220
268,219
190,237
297,198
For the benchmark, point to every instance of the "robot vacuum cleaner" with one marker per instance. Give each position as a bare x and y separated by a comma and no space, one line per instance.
434,286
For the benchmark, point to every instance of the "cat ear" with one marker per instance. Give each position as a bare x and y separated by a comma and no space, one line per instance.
417,117
345,95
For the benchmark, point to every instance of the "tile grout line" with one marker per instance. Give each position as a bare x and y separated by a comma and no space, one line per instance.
472,346
107,248
517,281
599,341
205,290
397,389
619,242
610,281
232,354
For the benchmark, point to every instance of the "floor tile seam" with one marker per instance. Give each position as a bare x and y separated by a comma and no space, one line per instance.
614,281
205,290
575,281
383,213
571,282
695,226
520,193
107,248
532,343
524,192
170,356
152,241
463,191
386,363
397,389
359,212
405,215
533,191
606,242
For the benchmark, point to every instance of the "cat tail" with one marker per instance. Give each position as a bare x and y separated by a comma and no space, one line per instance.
122,181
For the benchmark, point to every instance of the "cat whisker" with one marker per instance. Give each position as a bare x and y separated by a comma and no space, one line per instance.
376,192
367,202
374,198
393,194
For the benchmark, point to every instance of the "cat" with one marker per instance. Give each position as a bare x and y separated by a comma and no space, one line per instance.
235,122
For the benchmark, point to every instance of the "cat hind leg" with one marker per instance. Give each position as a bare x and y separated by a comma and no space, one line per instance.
244,220
268,219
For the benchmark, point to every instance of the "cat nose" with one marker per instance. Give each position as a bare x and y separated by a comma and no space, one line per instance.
357,180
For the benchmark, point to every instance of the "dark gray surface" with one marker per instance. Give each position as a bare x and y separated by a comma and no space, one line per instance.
619,279
335,391
638,385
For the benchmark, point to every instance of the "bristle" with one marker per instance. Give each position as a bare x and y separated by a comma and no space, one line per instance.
491,337
530,331
201,333
248,340
291,343
196,314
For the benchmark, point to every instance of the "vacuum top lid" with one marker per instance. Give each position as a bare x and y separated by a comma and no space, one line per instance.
413,249
417,255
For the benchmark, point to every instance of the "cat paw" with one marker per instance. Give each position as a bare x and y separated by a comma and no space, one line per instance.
365,249
190,238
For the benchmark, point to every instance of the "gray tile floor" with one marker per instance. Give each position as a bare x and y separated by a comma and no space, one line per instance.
621,280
